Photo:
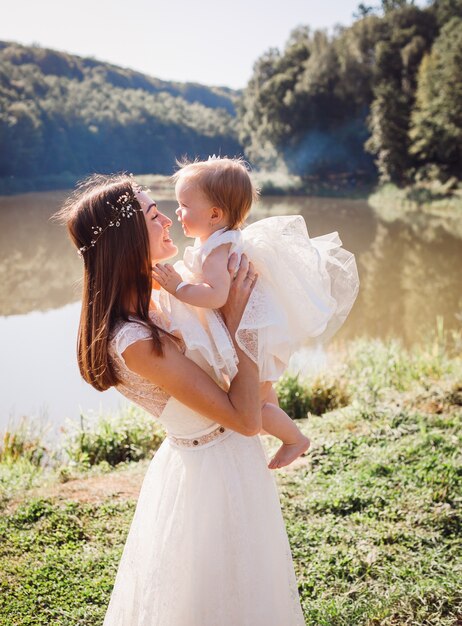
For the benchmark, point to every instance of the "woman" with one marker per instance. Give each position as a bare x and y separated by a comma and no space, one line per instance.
207,545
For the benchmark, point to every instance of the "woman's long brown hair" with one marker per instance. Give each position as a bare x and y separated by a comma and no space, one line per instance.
117,280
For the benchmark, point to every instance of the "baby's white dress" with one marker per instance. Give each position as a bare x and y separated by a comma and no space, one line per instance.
304,292
207,545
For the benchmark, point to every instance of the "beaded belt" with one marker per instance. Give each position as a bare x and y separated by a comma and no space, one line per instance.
218,433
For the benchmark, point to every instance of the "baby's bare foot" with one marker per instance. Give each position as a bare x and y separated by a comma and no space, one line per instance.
288,452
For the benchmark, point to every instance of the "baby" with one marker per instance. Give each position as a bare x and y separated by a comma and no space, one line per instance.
214,198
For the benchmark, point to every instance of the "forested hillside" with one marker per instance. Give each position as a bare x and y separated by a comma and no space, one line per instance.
61,114
382,96
380,99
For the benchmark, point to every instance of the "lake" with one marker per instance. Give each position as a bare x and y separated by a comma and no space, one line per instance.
410,273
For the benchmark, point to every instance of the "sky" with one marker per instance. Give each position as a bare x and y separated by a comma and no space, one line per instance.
208,41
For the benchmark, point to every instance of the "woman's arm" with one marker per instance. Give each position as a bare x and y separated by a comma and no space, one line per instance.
239,408
212,293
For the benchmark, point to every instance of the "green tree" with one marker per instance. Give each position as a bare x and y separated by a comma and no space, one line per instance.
364,10
388,123
407,34
306,106
395,5
436,126
445,10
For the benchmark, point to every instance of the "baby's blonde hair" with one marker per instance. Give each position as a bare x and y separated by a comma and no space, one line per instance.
226,183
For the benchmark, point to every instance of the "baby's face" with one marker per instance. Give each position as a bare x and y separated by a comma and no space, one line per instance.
194,210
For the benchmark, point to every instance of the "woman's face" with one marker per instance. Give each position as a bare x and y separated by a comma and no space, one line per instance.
158,225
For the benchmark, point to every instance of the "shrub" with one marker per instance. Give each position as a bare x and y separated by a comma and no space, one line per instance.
128,436
293,396
319,396
327,394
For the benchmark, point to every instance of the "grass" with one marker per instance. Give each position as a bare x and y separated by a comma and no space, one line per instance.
58,561
373,513
375,521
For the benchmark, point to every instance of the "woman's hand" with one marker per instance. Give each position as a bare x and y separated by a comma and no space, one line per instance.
242,284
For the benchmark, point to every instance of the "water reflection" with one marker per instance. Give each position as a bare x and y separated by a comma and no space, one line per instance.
39,269
409,270
407,282
36,269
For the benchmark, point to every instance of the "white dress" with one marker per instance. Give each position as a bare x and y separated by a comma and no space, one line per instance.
207,545
305,290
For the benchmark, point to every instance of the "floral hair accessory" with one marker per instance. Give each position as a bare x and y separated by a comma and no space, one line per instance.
123,208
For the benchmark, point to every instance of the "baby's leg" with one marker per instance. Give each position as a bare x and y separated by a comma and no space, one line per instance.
277,423
267,394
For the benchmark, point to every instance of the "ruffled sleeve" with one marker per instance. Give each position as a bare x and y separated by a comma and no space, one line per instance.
129,333
194,256
234,237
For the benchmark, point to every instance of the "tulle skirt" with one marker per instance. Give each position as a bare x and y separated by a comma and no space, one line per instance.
305,290
207,545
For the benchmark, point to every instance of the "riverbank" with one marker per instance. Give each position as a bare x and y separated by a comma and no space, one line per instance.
390,201
278,183
432,199
274,183
373,512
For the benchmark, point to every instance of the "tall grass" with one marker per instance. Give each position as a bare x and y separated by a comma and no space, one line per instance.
93,444
374,368
24,441
23,457
369,371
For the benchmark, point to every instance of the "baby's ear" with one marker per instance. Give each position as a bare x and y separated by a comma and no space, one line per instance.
216,215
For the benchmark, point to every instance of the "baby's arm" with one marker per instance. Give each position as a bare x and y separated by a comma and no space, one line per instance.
212,293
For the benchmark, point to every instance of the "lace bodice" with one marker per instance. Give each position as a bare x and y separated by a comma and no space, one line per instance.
134,387
176,418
